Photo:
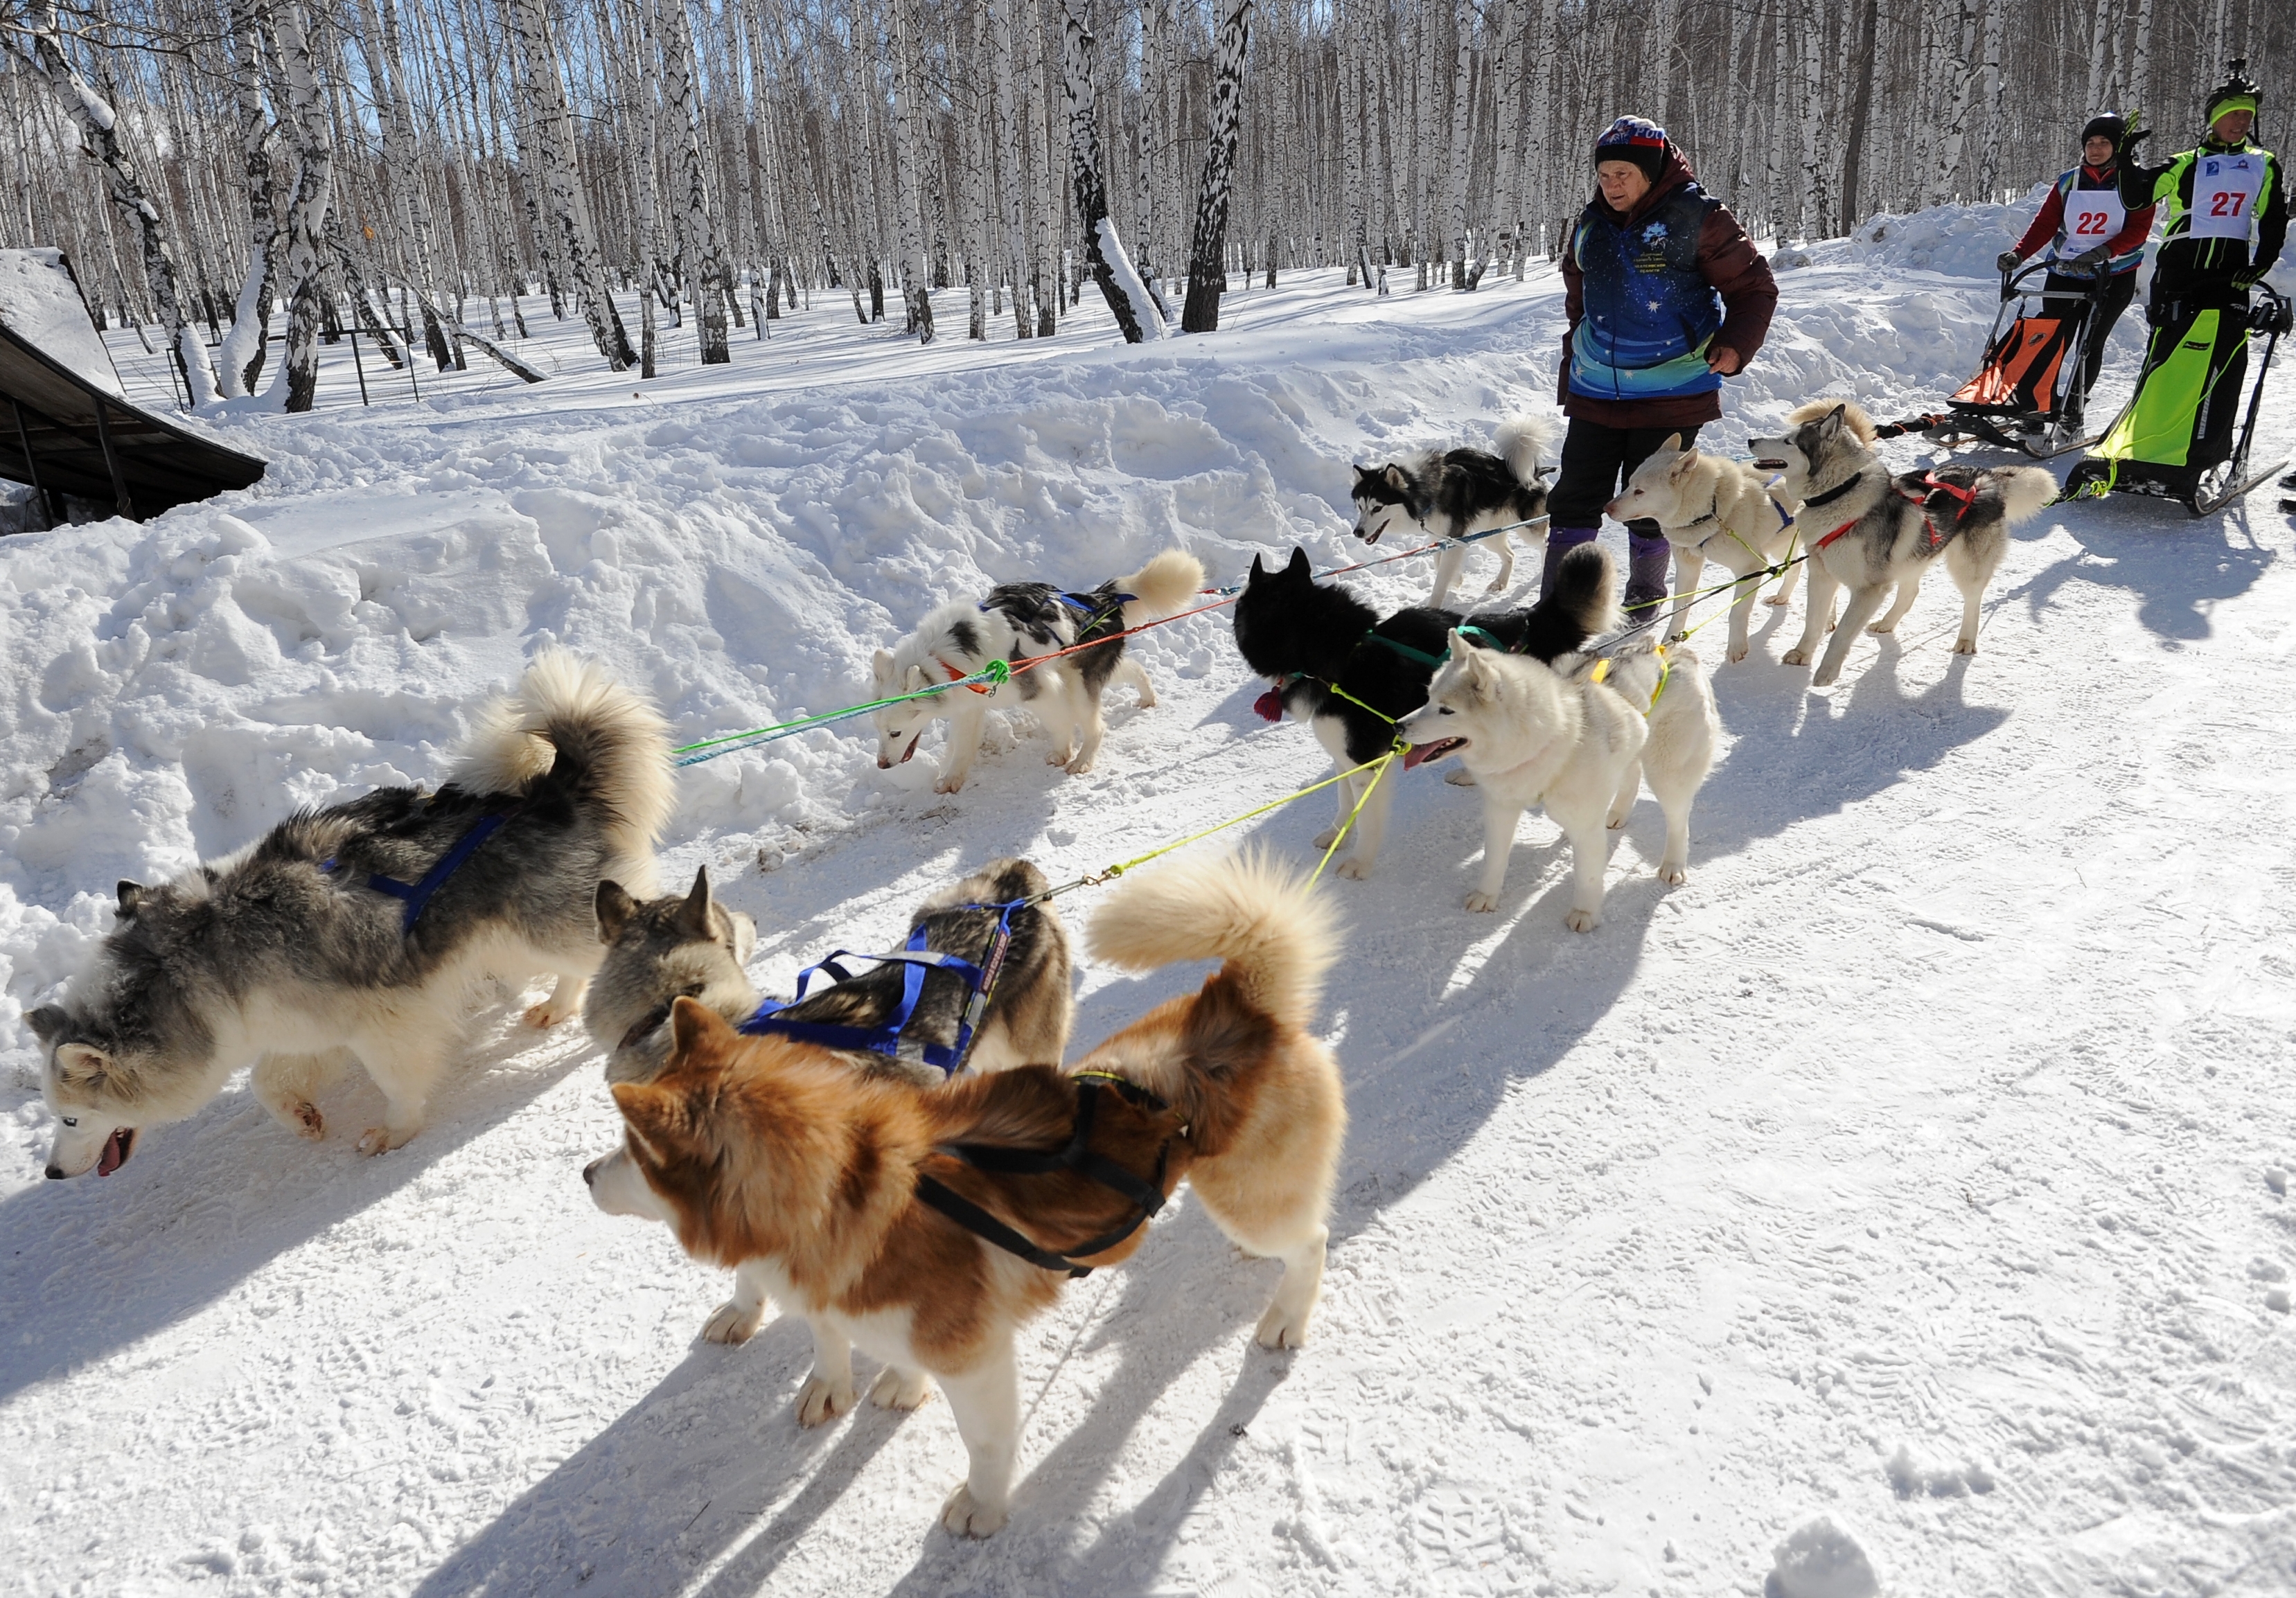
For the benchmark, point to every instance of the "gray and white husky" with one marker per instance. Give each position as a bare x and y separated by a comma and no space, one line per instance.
1578,737
1712,509
690,945
1452,492
1866,530
1016,621
361,931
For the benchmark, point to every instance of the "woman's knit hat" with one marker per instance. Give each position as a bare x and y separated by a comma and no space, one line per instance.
1636,139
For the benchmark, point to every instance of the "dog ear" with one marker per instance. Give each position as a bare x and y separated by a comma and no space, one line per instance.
693,915
1365,474
47,1023
656,1115
614,907
1830,424
1461,646
81,1068
1684,457
131,894
1396,480
1256,573
693,1025
914,680
1300,566
881,665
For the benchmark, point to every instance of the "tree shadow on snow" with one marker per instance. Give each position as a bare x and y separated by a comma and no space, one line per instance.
95,1264
2177,567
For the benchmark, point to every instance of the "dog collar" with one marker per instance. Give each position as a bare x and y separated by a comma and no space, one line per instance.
955,675
1831,494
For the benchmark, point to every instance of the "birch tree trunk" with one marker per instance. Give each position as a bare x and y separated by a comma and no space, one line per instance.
2100,47
39,43
1461,130
1010,165
1111,268
914,270
2140,75
696,226
306,129
1206,254
1811,26
1861,105
553,153
1988,138
247,342
1965,70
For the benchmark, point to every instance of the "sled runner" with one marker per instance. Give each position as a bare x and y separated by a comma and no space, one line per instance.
2152,445
2028,394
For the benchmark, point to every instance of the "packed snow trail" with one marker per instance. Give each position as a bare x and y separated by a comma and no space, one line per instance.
1905,1192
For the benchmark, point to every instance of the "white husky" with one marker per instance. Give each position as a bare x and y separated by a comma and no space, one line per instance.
1578,737
1717,510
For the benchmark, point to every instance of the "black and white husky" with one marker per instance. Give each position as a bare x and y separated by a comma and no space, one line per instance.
1352,677
1452,492
1017,621
360,931
1866,530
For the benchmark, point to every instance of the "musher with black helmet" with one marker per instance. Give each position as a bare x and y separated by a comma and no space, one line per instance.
2225,220
2089,230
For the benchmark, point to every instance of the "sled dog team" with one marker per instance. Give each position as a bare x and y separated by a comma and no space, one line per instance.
901,1158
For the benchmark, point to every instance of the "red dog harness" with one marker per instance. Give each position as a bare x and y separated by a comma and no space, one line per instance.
1932,539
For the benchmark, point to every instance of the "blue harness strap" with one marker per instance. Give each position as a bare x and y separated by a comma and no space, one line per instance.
886,1038
418,893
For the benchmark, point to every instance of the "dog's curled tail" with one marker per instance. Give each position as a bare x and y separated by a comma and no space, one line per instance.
1274,933
1164,586
568,719
1581,598
1853,416
1524,442
2026,491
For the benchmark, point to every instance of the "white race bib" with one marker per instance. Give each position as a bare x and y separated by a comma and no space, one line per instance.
2225,189
2093,217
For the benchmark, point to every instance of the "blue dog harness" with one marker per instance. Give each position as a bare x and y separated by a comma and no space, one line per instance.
887,1039
418,893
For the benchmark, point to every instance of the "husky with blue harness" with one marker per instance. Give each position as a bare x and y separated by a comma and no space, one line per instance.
360,931
1019,624
980,983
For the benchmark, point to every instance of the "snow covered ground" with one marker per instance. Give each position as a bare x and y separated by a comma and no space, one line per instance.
1902,1200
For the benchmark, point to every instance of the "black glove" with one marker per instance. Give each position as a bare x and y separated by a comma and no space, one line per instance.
2008,261
2137,135
2093,259
2248,277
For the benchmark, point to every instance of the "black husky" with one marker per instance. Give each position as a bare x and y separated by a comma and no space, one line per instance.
1351,675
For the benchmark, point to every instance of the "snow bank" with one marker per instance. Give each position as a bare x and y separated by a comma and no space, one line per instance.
41,304
1958,240
1821,1561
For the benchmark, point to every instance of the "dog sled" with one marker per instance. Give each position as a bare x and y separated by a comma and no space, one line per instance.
2029,392
2151,447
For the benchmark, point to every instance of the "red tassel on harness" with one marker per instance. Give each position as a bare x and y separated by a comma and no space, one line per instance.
1270,705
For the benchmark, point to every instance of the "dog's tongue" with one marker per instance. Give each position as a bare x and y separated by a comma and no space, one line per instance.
116,1150
1416,753
911,750
1270,705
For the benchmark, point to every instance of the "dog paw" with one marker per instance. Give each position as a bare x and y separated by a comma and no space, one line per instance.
546,1015
1353,869
1461,777
381,1140
1776,598
1617,820
949,784
1498,586
1670,872
1795,657
1582,921
968,1518
1278,1328
899,1390
1076,767
1823,679
1482,904
304,1118
1883,625
1740,652
818,1400
735,1322
1964,646
1326,838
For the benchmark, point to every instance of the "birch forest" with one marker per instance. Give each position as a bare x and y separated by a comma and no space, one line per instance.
442,172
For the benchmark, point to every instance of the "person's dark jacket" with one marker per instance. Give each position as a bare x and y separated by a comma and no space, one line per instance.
1664,284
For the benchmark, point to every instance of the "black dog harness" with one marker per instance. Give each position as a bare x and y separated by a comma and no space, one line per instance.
1147,1198
887,1039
